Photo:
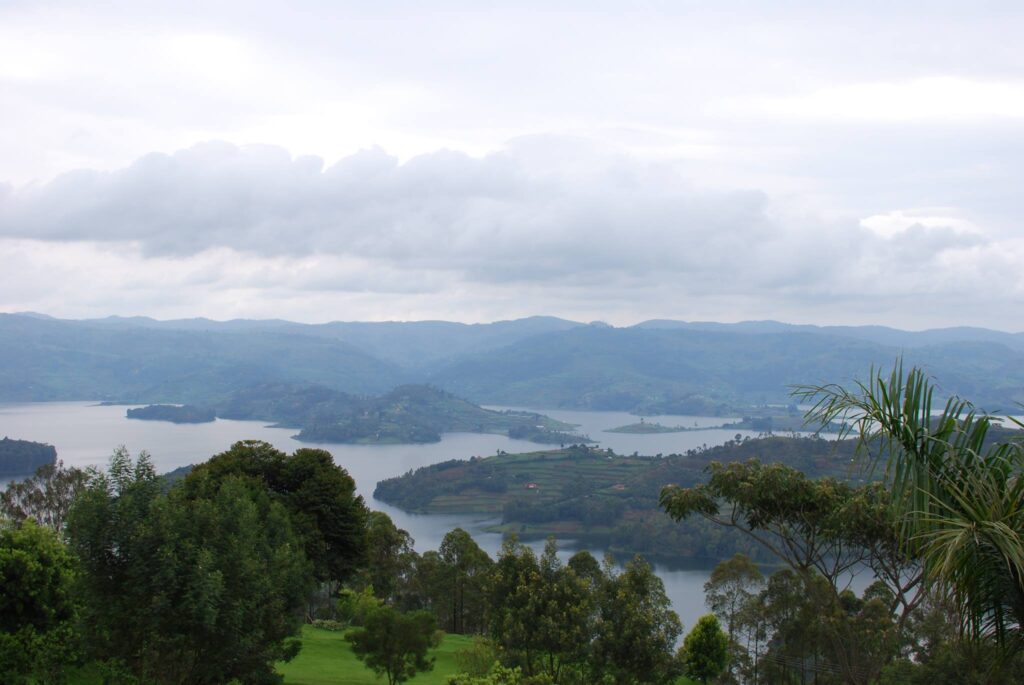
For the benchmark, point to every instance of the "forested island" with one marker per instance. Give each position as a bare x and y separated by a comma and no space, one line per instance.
648,427
420,413
22,457
407,414
594,495
174,413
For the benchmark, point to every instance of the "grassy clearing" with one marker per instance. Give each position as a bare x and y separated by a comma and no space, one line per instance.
326,659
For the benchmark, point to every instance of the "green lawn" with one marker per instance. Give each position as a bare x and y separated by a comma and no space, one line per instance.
326,659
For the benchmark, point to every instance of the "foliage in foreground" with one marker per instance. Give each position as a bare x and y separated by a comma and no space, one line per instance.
38,611
959,499
705,651
170,584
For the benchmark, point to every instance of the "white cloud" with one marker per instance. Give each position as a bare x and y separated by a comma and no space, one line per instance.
546,225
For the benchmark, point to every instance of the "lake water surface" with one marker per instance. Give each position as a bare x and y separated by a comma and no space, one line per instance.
85,435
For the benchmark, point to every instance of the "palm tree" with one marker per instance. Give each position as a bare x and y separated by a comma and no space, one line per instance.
958,493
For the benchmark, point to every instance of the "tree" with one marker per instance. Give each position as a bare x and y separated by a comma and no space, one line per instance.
38,612
319,496
637,629
46,497
395,644
732,584
705,651
390,558
466,568
958,496
821,526
180,588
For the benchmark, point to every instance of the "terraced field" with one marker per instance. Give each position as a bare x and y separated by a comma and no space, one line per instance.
487,485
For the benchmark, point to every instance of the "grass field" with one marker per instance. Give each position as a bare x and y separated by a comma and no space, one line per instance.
326,659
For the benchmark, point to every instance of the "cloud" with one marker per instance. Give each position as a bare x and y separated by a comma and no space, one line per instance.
544,208
548,224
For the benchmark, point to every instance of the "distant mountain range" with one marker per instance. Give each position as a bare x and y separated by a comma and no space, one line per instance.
538,361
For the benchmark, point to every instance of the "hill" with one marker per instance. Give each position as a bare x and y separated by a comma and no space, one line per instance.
652,369
420,413
47,360
23,458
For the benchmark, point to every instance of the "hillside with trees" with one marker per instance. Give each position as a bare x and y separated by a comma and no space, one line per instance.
599,497
23,457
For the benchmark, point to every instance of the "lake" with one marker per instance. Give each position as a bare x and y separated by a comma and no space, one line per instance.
85,434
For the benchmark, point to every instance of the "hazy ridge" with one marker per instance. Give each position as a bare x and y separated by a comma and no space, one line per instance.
537,361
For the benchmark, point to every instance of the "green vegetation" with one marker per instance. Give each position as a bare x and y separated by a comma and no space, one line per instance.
326,659
22,457
118,576
38,613
180,589
705,651
647,427
420,413
171,412
594,495
407,414
958,500
395,644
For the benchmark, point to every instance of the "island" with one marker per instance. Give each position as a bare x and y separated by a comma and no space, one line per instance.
595,496
23,458
644,427
407,414
174,413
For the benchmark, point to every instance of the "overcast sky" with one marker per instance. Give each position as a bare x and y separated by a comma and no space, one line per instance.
811,162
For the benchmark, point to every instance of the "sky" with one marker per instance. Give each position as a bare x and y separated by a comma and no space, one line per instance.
810,162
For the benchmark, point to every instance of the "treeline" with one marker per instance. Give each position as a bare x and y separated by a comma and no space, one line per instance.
115,575
578,622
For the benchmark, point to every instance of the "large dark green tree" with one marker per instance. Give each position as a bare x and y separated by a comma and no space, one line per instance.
187,589
38,610
318,494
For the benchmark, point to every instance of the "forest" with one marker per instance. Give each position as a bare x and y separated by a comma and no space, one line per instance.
122,576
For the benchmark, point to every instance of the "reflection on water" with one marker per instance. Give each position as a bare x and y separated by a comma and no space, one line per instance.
85,435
